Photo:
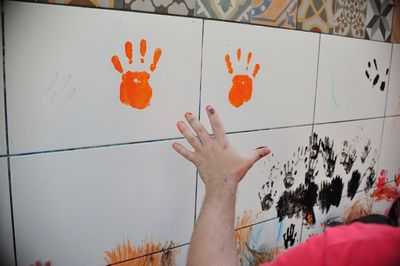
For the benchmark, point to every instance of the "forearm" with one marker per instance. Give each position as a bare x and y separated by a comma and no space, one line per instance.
213,240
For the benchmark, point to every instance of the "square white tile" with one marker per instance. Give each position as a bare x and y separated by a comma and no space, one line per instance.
6,236
89,201
3,145
175,257
270,237
284,84
349,150
262,187
393,100
389,159
344,89
69,92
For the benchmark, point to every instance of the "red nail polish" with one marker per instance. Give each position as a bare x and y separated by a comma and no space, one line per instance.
210,109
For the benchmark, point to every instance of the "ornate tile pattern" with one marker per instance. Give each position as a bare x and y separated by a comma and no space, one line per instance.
90,3
280,14
350,18
235,10
396,23
379,20
316,15
175,7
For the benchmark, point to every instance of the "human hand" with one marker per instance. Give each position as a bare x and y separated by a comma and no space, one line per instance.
219,164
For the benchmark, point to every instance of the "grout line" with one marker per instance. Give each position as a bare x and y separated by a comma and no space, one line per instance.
204,18
181,138
145,255
198,116
388,81
316,82
7,136
257,223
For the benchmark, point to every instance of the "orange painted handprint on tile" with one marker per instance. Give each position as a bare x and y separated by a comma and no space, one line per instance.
135,89
242,85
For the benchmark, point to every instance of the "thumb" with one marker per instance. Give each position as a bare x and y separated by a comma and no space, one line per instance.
257,154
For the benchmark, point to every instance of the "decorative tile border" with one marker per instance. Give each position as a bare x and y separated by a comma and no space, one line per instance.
379,20
118,4
350,18
174,7
281,14
316,15
234,10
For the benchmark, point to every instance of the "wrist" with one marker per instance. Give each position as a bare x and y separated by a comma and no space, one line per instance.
224,189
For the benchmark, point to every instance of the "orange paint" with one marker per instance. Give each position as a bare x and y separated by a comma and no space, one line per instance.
135,89
156,57
384,191
242,84
248,60
256,69
128,51
126,252
117,64
143,45
228,63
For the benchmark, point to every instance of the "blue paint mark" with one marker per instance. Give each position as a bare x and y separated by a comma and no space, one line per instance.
333,93
280,229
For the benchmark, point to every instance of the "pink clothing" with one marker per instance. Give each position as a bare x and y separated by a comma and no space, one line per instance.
354,244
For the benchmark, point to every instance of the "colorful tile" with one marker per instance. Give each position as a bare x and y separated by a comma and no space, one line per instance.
263,242
316,16
390,157
396,23
6,235
280,14
66,106
89,201
271,78
175,7
350,18
280,172
393,99
235,10
379,20
351,89
119,4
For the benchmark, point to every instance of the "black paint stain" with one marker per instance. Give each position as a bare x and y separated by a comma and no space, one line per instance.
290,236
370,174
376,79
314,143
267,200
348,157
377,76
310,173
330,194
376,67
288,180
365,152
353,184
328,156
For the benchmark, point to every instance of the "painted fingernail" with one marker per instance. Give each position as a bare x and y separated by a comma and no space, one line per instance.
210,109
265,148
187,114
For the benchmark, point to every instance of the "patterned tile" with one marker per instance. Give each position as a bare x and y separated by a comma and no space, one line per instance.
235,10
350,18
280,14
176,7
317,16
90,3
396,23
379,20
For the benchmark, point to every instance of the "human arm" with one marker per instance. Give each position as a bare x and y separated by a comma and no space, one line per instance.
221,168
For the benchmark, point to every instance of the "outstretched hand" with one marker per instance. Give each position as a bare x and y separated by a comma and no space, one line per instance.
218,162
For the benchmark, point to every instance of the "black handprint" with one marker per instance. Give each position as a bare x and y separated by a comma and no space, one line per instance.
314,146
267,195
289,237
288,180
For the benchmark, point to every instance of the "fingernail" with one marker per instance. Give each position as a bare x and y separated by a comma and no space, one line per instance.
265,148
188,114
179,126
210,109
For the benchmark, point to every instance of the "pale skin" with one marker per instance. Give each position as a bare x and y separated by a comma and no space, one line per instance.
221,167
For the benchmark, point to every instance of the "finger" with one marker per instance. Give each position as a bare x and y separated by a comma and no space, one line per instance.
216,124
189,136
257,154
48,263
188,155
198,127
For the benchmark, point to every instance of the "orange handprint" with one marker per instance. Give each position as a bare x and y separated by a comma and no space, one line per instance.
242,85
135,89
